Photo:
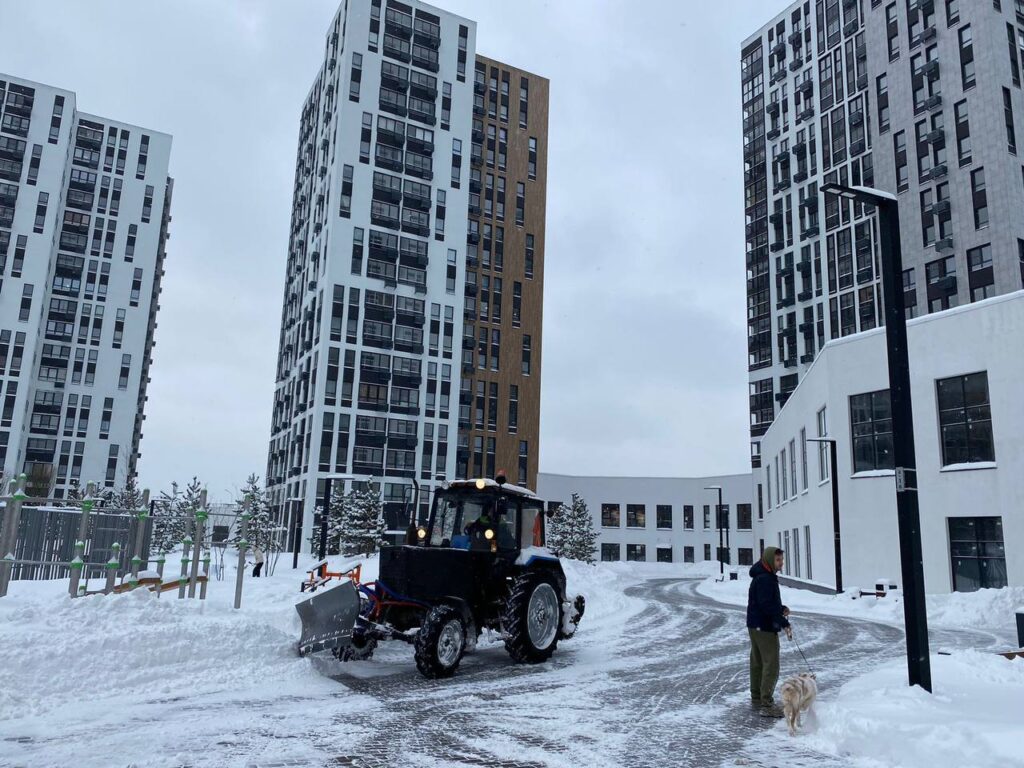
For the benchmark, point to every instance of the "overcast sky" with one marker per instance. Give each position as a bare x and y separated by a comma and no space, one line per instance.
644,367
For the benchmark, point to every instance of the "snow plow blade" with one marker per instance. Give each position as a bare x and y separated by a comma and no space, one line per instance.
328,618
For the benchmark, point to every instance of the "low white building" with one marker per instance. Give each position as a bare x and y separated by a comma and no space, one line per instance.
661,519
967,385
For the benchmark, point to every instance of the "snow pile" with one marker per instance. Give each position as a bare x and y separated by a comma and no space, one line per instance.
972,720
991,610
164,679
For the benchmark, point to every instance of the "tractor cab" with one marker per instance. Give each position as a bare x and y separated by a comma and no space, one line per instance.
483,515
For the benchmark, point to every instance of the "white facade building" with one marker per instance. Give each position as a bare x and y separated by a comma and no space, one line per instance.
369,360
966,383
84,209
661,519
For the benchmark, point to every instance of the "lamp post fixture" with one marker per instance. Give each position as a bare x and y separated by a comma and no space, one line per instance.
835,507
907,513
718,514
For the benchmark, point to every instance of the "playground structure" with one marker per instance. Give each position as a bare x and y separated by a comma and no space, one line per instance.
35,545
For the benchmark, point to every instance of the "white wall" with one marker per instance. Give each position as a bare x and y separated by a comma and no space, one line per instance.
986,336
652,491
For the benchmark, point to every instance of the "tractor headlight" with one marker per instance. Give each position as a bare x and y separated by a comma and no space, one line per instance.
421,533
481,484
489,534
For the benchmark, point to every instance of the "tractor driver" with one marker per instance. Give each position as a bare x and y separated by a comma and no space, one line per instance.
476,530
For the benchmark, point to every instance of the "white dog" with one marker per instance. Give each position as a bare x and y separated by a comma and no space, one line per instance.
798,695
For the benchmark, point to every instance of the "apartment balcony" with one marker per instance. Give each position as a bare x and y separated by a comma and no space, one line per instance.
777,246
795,65
423,86
933,102
807,358
419,143
938,171
807,234
804,296
800,149
938,136
422,115
472,238
805,114
393,102
396,49
412,259
945,244
403,441
778,76
410,317
773,134
398,23
941,207
471,289
796,38
468,342
929,34
467,366
810,203
772,108
804,265
368,439
425,58
410,346
785,302
377,340
851,26
374,375
857,147
386,192
394,76
427,33
800,177
931,69
391,135
465,397
805,85
417,201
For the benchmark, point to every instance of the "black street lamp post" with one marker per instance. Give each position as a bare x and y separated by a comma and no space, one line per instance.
907,513
835,507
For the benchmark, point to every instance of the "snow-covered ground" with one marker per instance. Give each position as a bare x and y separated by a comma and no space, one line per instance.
126,679
973,719
988,610
137,680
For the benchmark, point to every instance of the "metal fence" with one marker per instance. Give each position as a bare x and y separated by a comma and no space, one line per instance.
45,542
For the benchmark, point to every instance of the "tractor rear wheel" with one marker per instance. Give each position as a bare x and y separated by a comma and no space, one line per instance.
440,642
532,617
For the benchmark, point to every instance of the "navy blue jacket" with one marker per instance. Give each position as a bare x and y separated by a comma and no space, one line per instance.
764,601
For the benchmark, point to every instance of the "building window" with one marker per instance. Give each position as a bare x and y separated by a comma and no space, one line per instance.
981,277
528,267
707,551
823,468
744,517
636,553
803,458
664,516
871,431
1011,134
745,556
966,57
963,133
707,517
965,419
807,549
977,552
610,516
664,554
636,516
610,553
687,554
527,352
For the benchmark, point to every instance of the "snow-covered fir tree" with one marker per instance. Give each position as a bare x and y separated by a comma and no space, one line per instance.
170,521
358,520
262,531
571,531
127,499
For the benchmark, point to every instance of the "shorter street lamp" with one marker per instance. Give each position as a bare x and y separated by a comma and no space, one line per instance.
835,506
718,513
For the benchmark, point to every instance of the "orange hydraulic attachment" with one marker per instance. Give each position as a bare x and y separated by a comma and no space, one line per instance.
318,575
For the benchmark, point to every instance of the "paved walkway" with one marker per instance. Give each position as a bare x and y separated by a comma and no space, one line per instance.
672,691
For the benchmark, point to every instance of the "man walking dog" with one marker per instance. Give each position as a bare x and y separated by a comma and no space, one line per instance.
766,617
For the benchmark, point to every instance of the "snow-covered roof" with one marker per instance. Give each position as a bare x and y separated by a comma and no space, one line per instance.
488,483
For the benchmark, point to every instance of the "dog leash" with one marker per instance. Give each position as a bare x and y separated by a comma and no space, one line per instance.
809,669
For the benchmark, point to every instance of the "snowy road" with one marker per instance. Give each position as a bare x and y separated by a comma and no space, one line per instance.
672,689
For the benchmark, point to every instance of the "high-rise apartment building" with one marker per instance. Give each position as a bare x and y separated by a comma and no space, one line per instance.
409,221
84,212
499,400
916,97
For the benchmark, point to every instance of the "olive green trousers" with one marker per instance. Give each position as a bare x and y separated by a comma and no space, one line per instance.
764,665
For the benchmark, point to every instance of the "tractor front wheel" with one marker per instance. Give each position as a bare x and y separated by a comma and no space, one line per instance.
532,618
361,649
440,642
